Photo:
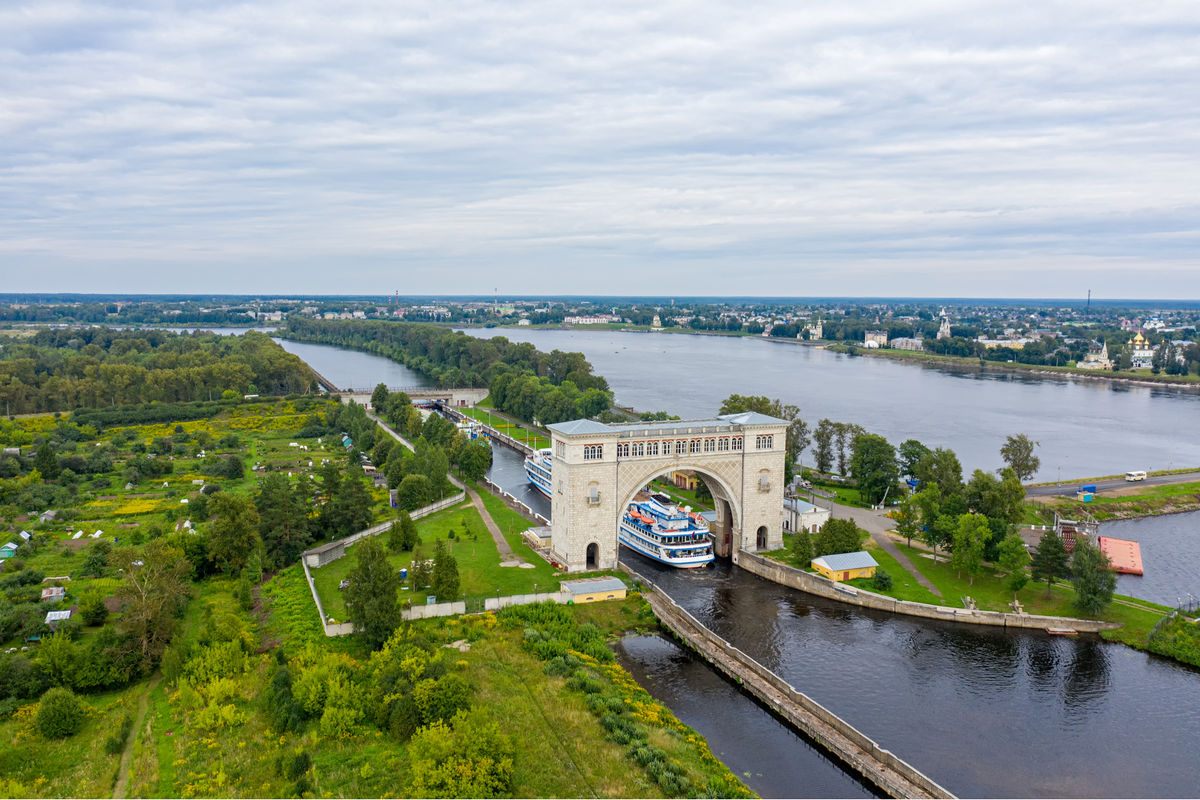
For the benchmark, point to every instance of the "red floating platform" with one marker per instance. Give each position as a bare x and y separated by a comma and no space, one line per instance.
1125,555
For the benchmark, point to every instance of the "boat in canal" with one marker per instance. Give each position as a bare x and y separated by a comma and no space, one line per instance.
666,533
537,470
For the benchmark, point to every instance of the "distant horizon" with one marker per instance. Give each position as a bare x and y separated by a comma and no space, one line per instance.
9,298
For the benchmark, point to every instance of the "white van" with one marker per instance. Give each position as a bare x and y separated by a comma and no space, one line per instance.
1136,475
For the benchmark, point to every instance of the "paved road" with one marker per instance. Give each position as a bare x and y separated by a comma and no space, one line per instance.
878,524
1068,488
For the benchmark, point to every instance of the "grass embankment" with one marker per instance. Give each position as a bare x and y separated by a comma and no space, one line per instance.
488,416
1169,499
990,592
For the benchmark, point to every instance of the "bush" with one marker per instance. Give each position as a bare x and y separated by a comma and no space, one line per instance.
115,743
882,581
60,714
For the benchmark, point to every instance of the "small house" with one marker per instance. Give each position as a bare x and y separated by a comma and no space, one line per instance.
379,480
320,556
9,550
592,590
846,566
26,535
55,617
52,594
48,516
800,516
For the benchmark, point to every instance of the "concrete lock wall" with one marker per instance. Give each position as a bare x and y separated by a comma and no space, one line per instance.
895,776
823,587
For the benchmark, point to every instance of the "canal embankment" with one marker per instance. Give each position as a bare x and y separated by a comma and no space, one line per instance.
894,776
832,590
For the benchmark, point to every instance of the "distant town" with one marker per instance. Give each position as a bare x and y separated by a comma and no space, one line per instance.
1133,337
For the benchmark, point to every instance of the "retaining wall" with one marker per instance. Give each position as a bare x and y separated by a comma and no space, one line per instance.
896,777
823,587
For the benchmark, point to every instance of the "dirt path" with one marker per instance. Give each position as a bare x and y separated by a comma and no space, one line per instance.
122,785
506,552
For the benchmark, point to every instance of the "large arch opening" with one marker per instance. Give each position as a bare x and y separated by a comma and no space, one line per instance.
760,538
726,529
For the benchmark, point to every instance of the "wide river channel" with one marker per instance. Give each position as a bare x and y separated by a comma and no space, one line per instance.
983,712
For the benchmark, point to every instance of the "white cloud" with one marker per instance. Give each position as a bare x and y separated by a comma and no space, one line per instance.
922,148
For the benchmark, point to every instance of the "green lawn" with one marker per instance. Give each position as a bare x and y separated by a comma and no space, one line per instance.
478,559
506,426
990,594
904,585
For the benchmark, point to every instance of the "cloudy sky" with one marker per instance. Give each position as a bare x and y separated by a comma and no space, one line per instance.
749,148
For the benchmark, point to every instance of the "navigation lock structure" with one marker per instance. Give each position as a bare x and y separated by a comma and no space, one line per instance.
598,469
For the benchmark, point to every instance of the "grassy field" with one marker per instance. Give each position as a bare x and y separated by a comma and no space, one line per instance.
260,434
478,559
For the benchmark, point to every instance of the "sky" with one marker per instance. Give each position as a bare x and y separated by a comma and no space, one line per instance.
699,148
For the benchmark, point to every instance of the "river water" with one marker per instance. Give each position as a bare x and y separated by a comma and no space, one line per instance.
1085,427
984,712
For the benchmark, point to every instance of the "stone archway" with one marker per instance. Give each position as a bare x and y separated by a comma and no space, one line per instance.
727,531
598,468
593,557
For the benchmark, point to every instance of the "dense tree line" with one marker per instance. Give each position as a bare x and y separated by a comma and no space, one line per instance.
549,387
101,367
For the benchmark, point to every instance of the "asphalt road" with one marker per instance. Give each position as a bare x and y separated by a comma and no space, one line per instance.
1069,488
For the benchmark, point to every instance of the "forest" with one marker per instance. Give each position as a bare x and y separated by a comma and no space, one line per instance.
64,369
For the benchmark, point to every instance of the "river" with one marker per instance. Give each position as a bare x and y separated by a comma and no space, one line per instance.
983,712
1085,427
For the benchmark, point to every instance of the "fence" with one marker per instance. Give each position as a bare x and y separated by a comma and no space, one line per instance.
512,502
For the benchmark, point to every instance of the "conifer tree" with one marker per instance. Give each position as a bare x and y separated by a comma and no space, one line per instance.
1050,560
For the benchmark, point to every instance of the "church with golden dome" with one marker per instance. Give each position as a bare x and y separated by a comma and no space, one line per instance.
1140,352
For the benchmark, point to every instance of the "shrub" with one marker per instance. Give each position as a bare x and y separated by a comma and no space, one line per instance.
115,743
60,714
882,580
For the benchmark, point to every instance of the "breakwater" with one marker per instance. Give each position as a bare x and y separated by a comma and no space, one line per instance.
893,775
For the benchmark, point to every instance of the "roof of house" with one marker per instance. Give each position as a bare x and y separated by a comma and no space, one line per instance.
800,506
325,548
57,616
590,585
10,544
53,591
841,562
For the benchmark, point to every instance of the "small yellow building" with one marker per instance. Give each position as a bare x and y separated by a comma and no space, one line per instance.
846,566
592,590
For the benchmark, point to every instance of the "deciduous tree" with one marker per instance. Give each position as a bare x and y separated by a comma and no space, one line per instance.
1017,452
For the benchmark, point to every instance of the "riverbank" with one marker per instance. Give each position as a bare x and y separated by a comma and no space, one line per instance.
1185,382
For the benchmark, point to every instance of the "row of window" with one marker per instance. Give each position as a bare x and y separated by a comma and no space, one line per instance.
724,444
679,447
